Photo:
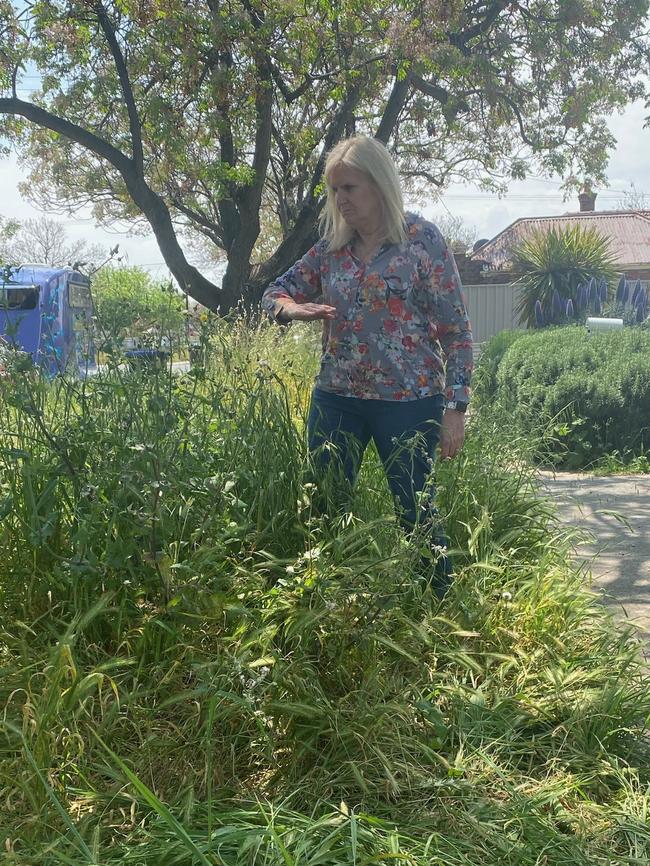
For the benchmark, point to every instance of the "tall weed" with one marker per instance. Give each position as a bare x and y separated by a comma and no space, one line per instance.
199,663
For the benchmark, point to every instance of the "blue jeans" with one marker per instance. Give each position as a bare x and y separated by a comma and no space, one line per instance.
406,434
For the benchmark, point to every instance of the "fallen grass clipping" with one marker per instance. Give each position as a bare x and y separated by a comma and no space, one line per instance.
200,665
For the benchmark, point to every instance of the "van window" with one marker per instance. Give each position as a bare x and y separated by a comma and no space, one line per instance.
18,297
79,296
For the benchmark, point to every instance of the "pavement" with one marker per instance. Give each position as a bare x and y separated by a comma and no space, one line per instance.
615,512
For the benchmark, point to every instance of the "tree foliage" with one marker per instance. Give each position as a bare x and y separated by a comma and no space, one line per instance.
128,302
8,230
200,115
633,199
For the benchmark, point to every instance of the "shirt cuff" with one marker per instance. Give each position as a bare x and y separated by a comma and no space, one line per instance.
460,393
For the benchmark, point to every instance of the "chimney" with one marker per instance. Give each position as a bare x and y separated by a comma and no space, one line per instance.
587,199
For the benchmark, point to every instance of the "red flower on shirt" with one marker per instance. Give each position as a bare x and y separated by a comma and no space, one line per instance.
395,306
409,343
390,326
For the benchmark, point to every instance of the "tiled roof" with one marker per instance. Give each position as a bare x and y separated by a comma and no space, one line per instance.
628,233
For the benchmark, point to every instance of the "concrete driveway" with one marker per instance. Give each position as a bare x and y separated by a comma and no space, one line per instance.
615,511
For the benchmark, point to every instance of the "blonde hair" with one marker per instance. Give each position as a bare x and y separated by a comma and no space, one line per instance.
371,157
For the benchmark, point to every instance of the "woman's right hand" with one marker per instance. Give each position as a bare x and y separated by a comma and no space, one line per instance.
305,312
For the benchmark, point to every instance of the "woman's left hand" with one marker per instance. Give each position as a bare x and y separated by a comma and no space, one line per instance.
452,433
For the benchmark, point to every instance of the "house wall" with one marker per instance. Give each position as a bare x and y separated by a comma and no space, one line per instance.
491,309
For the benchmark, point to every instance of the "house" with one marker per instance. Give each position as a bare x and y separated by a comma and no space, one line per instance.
628,232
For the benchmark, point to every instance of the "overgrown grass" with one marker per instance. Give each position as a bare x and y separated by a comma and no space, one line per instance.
200,666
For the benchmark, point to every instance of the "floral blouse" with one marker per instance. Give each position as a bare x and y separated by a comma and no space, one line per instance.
398,316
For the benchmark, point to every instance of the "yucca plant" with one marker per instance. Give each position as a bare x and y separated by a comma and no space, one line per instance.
559,261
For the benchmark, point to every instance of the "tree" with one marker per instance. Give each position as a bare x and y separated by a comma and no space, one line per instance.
197,115
456,232
128,301
633,199
44,241
8,229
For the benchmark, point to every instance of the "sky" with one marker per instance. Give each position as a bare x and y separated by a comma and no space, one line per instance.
487,213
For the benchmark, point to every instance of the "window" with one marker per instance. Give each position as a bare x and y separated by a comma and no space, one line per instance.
18,297
79,296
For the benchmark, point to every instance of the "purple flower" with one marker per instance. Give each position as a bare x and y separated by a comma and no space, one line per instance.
626,293
597,306
593,290
602,291
556,305
620,289
584,296
640,313
635,293
569,309
539,314
640,299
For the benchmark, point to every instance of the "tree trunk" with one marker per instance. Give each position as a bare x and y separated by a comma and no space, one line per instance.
292,248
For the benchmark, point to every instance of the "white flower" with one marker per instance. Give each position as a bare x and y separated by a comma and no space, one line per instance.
506,596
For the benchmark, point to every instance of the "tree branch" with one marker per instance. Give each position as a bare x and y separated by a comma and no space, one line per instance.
125,85
149,202
394,105
290,95
81,136
517,113
207,226
461,39
433,90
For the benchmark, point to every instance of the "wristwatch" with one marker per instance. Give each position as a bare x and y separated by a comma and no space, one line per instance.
457,405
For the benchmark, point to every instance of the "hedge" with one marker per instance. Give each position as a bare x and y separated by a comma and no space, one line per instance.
592,390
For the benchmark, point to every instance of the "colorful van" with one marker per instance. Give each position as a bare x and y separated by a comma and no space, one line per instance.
48,312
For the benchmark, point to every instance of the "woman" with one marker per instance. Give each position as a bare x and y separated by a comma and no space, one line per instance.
386,286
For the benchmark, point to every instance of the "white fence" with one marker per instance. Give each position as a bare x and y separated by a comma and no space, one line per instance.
491,309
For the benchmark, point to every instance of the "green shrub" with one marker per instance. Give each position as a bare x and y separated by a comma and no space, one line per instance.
129,302
593,390
484,383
